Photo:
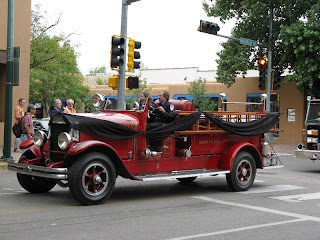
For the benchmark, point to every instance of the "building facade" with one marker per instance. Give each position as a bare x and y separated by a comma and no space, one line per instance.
22,22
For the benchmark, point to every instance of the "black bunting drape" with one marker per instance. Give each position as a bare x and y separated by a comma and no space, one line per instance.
112,130
253,128
101,128
182,124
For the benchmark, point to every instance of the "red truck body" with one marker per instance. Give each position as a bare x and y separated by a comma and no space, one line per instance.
90,163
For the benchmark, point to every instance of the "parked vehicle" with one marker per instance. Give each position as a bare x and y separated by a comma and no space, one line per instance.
41,124
310,148
87,152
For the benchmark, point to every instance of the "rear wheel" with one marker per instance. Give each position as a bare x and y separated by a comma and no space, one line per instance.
34,184
243,172
186,180
92,178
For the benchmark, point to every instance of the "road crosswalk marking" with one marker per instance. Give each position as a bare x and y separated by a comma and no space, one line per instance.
299,198
275,188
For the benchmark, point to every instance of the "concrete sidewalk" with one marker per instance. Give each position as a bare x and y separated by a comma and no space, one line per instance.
278,148
3,162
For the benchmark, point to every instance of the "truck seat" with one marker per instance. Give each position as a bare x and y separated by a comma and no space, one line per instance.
181,105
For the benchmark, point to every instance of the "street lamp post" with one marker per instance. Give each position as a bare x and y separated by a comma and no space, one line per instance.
9,83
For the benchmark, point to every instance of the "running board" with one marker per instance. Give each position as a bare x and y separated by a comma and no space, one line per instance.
273,167
183,174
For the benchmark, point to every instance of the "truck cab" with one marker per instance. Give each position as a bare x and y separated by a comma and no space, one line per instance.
310,147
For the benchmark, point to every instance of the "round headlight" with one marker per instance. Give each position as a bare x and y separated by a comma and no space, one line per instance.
39,138
63,140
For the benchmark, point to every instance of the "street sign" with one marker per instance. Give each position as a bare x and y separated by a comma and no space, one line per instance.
248,42
291,114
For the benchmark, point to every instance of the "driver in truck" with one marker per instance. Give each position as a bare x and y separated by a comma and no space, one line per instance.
162,113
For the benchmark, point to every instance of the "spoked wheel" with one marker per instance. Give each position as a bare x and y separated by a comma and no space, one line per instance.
92,178
34,184
186,180
243,172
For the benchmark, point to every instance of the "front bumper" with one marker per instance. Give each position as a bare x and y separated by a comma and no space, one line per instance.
310,154
39,171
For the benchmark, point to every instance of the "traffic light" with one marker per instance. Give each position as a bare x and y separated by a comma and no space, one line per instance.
132,54
117,51
208,27
132,82
113,81
276,80
262,73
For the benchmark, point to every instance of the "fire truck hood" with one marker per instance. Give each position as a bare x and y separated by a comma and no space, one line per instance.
106,125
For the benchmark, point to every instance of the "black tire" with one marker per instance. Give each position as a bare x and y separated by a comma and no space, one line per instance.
92,178
186,180
243,172
34,184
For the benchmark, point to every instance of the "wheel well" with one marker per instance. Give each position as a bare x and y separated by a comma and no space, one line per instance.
254,154
119,166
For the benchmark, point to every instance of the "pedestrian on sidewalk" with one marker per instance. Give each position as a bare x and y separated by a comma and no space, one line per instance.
27,125
18,114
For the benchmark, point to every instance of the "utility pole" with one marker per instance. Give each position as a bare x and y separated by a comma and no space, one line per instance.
9,83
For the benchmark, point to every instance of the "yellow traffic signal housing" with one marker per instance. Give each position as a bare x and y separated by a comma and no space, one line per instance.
113,82
132,55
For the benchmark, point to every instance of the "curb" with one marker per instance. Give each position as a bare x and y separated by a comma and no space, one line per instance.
3,166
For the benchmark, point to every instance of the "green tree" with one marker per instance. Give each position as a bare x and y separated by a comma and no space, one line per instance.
197,91
295,38
102,69
53,66
101,81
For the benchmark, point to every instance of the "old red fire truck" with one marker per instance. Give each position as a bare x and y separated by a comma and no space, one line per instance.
87,152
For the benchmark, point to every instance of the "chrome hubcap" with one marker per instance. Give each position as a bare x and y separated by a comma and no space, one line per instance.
95,179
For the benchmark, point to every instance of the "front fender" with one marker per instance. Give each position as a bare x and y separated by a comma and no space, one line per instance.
33,148
82,146
116,159
230,153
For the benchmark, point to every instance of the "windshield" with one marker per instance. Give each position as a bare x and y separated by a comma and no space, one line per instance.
313,113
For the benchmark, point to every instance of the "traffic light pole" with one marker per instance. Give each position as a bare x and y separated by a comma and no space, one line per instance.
269,60
268,107
122,72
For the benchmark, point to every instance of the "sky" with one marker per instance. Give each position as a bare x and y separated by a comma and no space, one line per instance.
167,30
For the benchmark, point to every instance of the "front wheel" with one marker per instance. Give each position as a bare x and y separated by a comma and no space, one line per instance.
243,172
34,184
92,178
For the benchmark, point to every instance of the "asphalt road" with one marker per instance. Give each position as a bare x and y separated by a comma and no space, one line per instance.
282,204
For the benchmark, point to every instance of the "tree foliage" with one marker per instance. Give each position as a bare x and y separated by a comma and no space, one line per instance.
295,38
53,67
102,69
197,91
